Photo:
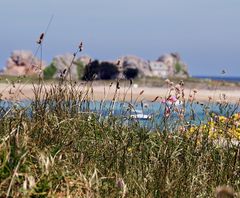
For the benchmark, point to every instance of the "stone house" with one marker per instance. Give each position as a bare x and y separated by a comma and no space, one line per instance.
158,69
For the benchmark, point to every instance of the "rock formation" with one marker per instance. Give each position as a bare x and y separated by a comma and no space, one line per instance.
135,62
84,59
63,62
176,67
168,65
23,62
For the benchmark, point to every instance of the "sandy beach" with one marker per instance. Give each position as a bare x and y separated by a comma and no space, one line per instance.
25,91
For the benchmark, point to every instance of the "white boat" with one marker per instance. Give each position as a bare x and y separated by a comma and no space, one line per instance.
138,114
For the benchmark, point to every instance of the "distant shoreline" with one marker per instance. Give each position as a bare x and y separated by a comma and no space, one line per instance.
219,78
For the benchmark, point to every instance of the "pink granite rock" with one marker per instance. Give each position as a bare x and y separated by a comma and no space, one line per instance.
23,62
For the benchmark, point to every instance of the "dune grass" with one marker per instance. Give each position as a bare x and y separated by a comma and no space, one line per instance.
59,151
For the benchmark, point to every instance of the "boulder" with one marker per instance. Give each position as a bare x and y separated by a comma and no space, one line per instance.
22,62
63,62
135,62
176,67
84,59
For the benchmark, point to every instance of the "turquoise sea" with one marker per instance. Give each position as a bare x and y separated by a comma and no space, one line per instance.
148,114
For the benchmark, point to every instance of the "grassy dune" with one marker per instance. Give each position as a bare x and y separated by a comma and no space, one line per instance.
59,151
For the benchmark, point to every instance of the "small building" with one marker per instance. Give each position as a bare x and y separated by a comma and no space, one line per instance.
159,69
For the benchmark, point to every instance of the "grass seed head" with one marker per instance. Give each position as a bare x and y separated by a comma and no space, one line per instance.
167,81
195,91
131,82
181,83
155,99
141,92
118,85
118,62
80,47
39,41
224,192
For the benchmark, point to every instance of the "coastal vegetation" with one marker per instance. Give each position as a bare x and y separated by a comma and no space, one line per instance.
49,72
56,146
103,70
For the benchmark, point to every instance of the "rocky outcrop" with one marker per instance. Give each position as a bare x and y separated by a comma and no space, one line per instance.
23,62
176,67
135,62
168,65
84,59
63,62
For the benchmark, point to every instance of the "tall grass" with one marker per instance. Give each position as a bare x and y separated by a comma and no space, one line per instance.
59,151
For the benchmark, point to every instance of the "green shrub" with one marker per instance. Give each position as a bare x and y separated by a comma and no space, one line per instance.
178,67
49,71
91,70
80,69
103,71
108,71
130,73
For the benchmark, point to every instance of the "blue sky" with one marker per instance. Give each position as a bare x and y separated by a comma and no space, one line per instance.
204,32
